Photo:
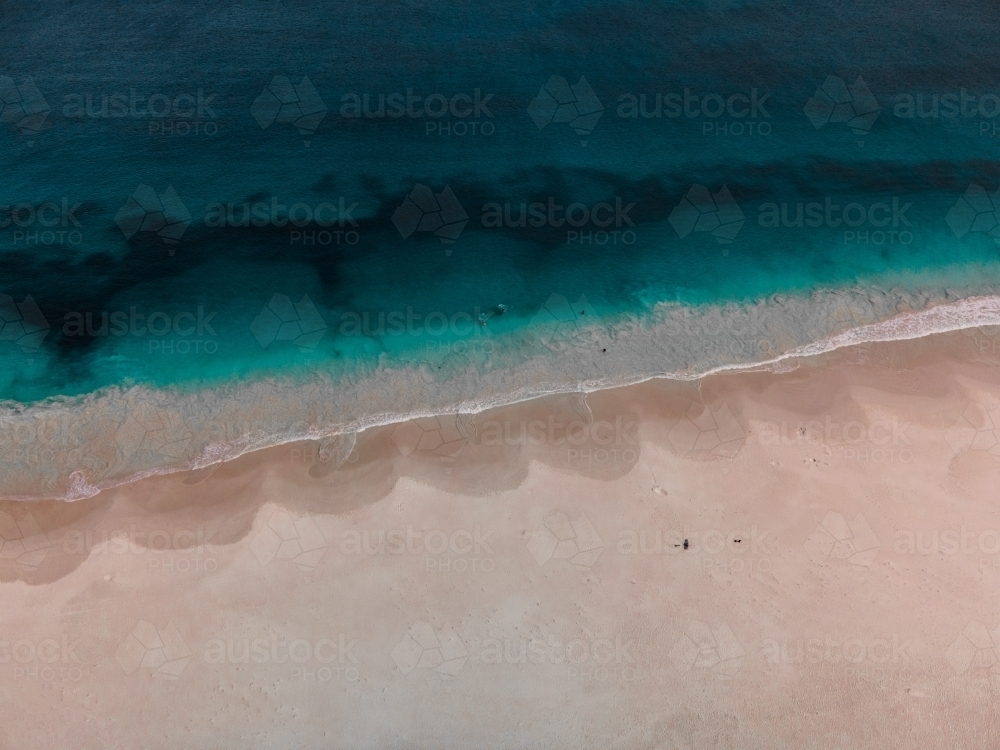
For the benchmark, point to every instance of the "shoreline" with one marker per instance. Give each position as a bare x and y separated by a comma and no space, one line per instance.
940,318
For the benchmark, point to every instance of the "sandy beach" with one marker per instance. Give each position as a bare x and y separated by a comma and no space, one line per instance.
802,558
418,376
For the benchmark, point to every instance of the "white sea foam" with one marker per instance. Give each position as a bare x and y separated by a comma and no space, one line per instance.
72,449
968,313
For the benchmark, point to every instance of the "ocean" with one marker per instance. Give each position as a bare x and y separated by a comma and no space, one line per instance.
226,227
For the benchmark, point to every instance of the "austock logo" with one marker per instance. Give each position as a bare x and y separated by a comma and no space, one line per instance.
586,440
166,333
299,105
148,429
836,538
702,211
707,431
559,102
272,651
750,541
22,106
977,429
425,648
601,223
443,436
601,659
558,538
87,542
734,114
976,650
701,648
878,223
423,210
175,115
43,224
836,102
460,114
415,541
161,214
335,221
47,660
829,650
560,323
22,540
22,323
162,651
283,320
881,441
289,537
976,211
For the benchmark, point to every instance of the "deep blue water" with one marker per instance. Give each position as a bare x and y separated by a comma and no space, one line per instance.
689,73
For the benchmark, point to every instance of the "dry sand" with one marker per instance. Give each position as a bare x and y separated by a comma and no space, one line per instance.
806,559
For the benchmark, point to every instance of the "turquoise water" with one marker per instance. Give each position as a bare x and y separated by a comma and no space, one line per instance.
206,290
